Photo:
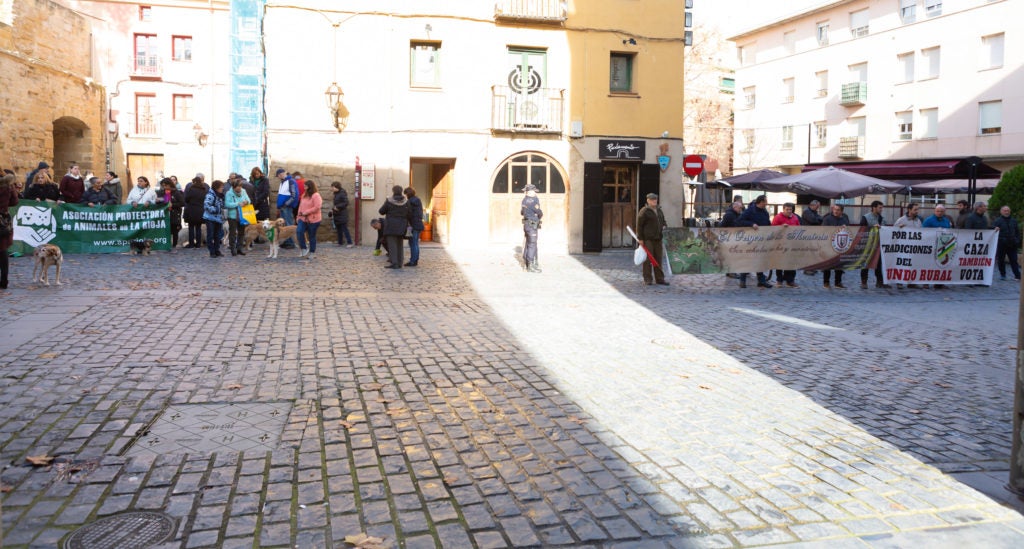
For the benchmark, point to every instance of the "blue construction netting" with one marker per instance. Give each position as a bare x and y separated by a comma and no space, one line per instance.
247,85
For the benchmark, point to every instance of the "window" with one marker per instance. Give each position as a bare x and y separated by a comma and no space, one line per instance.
823,33
933,8
787,138
820,133
524,169
908,11
425,64
145,118
748,140
859,72
727,85
930,63
789,42
146,60
821,77
859,23
992,51
145,13
904,126
621,74
990,117
859,126
182,107
787,90
750,97
929,126
181,48
746,54
905,68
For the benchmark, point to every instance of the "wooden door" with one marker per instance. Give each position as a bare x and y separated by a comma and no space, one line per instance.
618,199
440,189
149,165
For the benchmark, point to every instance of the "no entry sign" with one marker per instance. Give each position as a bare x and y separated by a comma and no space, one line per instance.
692,165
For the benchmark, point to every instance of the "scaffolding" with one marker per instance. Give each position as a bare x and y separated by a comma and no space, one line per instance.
248,76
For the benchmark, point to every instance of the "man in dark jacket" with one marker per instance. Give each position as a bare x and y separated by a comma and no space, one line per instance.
532,214
650,222
416,220
835,218
811,215
977,220
732,215
340,215
97,194
1009,242
755,216
397,216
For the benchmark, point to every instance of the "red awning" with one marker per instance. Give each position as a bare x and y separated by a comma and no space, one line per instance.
949,168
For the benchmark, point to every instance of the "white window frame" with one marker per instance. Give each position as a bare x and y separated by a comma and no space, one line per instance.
929,126
820,134
908,11
788,89
931,62
860,23
990,117
750,97
821,77
787,138
904,126
822,33
905,67
418,49
993,50
789,42
932,8
748,140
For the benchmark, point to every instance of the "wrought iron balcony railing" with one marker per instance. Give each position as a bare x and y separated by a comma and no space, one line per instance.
548,11
538,110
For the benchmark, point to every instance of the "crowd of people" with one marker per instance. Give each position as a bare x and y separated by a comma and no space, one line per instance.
756,214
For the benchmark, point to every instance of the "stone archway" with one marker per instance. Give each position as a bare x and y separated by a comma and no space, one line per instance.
72,143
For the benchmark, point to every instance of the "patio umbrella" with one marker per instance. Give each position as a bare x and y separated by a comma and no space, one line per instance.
749,180
984,186
832,182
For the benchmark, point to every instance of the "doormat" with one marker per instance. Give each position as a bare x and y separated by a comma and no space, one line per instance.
208,428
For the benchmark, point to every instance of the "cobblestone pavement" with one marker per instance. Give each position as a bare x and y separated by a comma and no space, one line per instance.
465,403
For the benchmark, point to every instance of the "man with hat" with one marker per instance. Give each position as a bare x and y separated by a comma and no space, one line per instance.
650,222
531,212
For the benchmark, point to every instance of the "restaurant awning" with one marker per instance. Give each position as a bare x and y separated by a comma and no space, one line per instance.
930,169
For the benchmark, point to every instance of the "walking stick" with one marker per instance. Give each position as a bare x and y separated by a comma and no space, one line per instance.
650,256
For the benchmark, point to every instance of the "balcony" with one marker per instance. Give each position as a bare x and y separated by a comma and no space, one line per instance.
146,66
854,94
539,110
544,11
144,125
851,147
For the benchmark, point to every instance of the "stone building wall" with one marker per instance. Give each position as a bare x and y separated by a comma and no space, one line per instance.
50,109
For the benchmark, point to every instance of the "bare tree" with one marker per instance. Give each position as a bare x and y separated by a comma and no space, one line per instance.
708,103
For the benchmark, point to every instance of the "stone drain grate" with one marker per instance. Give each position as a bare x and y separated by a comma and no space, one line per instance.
212,427
134,530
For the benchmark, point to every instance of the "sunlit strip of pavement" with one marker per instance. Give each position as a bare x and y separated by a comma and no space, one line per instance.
753,462
786,319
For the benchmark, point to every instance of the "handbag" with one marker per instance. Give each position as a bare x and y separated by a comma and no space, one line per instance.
247,215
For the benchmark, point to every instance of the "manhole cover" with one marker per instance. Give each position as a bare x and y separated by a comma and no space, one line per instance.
125,531
203,428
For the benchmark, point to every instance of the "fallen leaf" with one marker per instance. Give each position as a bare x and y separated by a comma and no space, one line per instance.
363,541
450,479
49,355
780,371
944,385
371,386
5,488
39,460
233,386
705,387
347,424
577,420
1013,347
684,376
908,380
914,411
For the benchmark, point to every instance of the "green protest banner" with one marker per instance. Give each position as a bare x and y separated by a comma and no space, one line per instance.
80,229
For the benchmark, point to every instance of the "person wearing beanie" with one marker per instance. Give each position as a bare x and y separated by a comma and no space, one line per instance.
397,219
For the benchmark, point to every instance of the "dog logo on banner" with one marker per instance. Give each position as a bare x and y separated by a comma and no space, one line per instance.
945,248
841,241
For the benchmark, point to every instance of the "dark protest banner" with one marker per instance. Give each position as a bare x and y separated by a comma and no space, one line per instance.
938,256
746,250
79,229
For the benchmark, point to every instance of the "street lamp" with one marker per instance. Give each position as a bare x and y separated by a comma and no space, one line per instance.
335,104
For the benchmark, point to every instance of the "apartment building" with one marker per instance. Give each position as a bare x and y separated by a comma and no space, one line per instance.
882,80
166,67
468,102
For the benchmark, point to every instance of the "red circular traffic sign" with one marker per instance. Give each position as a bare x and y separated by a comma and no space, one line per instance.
692,165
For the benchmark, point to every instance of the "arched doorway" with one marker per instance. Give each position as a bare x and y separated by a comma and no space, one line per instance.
72,143
512,175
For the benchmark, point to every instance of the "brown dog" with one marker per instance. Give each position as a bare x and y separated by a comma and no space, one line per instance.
252,232
46,255
280,232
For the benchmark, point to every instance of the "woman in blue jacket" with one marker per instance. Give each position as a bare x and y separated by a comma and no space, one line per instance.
213,214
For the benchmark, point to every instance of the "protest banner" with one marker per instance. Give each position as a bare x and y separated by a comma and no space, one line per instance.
746,250
79,229
938,256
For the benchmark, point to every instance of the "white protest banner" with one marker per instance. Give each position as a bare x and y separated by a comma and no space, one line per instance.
938,256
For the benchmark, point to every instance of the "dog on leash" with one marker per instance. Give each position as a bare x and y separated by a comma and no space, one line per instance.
44,256
141,247
277,232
